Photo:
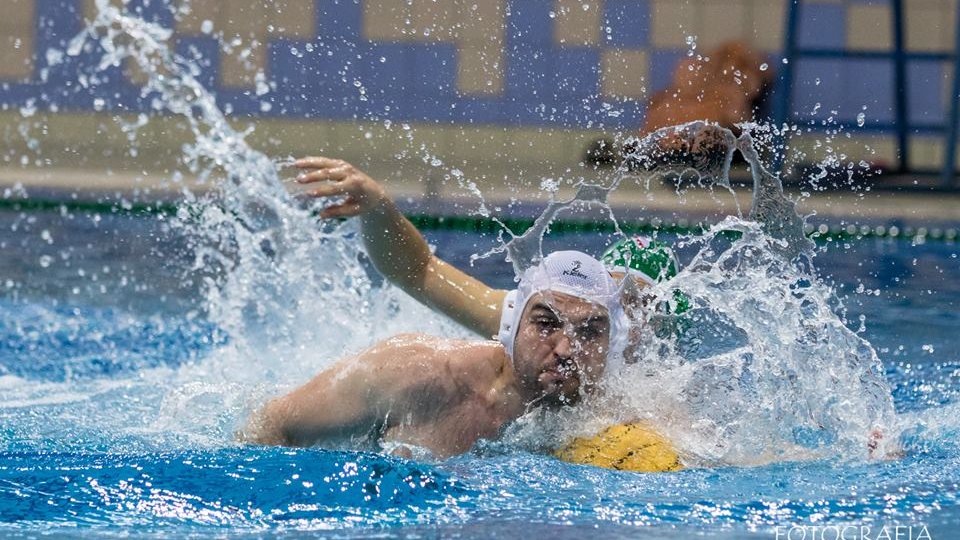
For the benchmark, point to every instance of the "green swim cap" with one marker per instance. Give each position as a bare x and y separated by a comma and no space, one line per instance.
647,260
641,257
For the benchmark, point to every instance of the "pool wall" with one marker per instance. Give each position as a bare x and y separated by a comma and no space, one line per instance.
522,81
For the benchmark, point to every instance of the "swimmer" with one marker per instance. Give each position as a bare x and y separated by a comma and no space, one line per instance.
401,254
562,326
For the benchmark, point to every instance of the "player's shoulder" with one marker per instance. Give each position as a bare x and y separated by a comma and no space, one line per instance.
460,356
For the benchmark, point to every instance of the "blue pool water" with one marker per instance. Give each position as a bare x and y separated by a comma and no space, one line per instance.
118,410
133,348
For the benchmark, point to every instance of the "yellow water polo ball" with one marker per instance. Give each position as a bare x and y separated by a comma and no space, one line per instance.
624,447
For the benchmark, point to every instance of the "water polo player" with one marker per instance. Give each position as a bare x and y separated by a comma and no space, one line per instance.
402,255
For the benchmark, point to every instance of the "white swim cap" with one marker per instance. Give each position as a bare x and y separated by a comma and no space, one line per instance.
568,272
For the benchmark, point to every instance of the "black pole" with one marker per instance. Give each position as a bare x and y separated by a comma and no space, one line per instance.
783,113
950,152
900,84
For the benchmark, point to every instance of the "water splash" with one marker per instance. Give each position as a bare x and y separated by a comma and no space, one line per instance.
268,249
771,208
526,250
762,368
278,284
751,375
697,148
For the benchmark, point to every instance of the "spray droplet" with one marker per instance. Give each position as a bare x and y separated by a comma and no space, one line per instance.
262,86
549,185
206,26
861,119
764,66
54,57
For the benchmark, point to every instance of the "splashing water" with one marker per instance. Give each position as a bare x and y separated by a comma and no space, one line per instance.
276,262
761,369
698,148
276,284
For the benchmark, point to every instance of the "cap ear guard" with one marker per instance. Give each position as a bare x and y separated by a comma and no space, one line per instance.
507,322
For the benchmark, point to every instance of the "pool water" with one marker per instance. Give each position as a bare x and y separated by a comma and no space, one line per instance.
119,397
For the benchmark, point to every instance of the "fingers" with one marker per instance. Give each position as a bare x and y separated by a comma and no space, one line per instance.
335,174
329,190
362,192
323,169
346,209
318,162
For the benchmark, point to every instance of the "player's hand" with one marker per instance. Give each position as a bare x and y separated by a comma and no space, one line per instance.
360,192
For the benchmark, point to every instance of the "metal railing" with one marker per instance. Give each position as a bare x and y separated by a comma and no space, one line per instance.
900,56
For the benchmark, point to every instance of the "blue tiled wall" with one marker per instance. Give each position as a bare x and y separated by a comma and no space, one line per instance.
626,23
544,83
822,26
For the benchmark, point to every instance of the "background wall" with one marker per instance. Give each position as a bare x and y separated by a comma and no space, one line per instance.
525,80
